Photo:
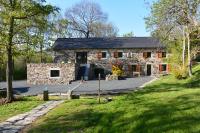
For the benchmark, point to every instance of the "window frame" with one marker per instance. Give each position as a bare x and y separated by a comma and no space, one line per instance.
102,54
118,54
162,67
164,54
150,55
54,69
146,53
136,65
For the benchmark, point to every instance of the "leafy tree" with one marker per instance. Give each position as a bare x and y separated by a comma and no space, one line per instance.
55,27
129,34
104,30
172,20
2,62
16,17
58,27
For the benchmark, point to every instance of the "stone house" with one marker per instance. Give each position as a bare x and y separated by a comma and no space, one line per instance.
91,56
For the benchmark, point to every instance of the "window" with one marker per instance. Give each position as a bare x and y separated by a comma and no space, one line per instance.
54,73
120,54
134,68
104,54
163,67
147,54
164,55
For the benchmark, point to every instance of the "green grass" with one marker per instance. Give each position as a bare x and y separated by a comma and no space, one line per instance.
167,105
23,105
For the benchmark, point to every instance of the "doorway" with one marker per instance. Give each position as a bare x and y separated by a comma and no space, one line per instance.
81,57
98,71
148,69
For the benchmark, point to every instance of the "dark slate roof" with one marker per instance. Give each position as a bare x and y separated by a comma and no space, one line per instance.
106,43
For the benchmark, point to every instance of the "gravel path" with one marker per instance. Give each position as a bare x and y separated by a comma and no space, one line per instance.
88,87
17,123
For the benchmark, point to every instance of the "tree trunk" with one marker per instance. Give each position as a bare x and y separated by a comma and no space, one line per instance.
41,57
9,63
87,34
183,54
189,56
27,55
9,75
1,73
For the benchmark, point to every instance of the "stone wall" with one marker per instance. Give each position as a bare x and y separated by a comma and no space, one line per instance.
135,58
39,74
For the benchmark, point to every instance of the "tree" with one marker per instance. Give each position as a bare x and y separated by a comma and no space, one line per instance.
46,34
104,30
171,19
54,27
2,62
16,17
83,16
59,27
129,34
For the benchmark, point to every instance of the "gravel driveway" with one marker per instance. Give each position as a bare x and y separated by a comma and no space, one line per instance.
87,87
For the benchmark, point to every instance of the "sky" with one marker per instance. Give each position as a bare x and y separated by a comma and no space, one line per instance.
127,15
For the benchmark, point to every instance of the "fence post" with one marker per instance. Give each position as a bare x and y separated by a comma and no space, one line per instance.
99,95
45,94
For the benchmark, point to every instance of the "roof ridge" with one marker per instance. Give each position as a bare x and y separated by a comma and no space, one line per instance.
107,43
107,37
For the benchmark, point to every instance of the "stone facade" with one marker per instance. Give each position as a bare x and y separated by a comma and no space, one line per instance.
129,57
40,74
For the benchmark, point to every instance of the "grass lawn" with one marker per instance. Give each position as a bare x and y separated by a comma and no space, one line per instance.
18,107
167,105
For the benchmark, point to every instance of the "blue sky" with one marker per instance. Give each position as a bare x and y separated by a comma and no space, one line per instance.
127,15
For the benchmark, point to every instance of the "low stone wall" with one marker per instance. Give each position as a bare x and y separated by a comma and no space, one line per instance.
40,74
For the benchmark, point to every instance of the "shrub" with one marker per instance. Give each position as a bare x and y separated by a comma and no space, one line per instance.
194,81
197,58
116,70
180,72
19,74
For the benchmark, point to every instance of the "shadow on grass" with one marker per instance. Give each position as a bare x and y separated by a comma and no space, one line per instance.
79,121
194,81
179,114
164,87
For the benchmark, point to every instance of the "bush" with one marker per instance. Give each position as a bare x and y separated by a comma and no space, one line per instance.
180,72
194,81
198,58
19,74
116,70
